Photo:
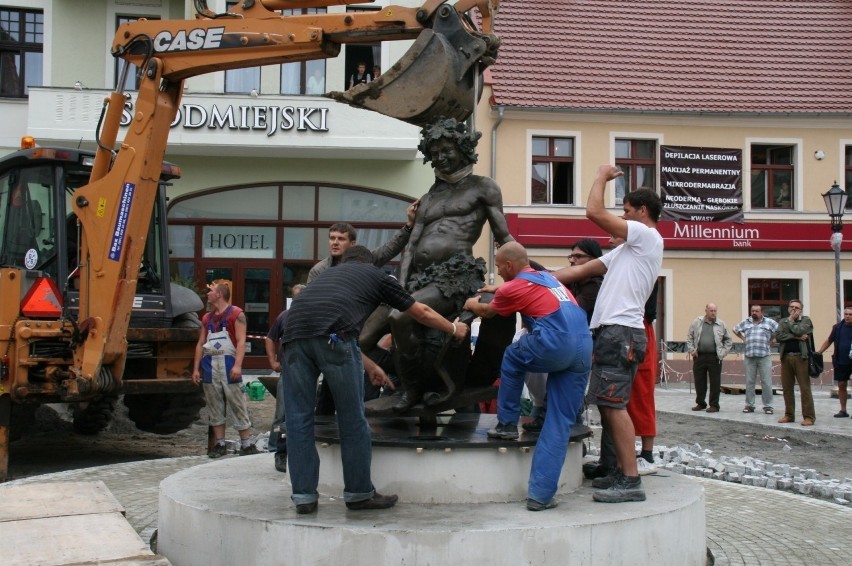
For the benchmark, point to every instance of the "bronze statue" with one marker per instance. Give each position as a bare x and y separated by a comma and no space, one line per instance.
438,266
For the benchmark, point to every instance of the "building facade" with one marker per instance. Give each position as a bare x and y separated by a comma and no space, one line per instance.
738,114
268,164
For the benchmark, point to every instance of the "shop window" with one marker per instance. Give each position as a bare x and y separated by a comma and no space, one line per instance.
847,293
131,80
21,51
303,77
638,160
241,81
347,205
552,171
249,203
772,175
773,295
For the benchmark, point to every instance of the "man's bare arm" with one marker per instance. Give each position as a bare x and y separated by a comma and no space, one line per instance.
427,316
573,273
596,210
478,308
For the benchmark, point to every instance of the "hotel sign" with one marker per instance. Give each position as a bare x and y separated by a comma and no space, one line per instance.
678,235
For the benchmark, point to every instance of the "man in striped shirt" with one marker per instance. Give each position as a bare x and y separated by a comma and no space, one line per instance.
322,337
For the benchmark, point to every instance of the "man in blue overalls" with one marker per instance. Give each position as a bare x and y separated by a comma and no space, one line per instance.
559,343
218,366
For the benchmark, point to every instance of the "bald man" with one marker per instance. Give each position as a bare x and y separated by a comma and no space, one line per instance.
559,343
708,342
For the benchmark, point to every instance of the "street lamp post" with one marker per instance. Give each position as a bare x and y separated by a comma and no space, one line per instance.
835,204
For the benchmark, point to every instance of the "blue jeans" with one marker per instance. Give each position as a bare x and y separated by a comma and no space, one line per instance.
272,444
341,366
762,365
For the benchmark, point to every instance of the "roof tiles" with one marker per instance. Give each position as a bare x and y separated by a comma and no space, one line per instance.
726,56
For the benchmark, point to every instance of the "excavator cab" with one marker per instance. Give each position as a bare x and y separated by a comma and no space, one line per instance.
39,233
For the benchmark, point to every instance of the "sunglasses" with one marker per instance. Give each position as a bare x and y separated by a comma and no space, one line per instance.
578,256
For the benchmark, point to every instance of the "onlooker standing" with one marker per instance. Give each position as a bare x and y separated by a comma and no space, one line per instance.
361,76
756,332
218,366
322,336
708,342
792,336
277,441
841,337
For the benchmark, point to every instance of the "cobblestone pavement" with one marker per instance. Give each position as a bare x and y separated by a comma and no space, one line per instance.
745,525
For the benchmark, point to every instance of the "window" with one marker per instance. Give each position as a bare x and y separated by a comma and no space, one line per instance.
848,173
131,80
772,176
241,81
368,54
638,160
21,51
552,171
773,295
304,77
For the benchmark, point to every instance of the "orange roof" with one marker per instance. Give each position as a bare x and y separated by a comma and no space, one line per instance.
713,56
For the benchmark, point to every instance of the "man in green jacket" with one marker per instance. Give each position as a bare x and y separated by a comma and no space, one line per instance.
792,336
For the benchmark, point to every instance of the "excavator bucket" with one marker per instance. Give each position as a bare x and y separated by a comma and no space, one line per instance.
440,75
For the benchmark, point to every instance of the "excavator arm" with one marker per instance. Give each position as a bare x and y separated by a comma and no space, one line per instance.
437,77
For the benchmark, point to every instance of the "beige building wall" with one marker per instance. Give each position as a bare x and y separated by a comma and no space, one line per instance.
693,277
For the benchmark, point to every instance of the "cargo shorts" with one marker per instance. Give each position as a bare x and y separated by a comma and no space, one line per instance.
616,355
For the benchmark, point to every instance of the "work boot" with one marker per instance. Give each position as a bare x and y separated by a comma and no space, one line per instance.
607,481
623,490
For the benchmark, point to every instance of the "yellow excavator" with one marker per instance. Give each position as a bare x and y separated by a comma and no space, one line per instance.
53,351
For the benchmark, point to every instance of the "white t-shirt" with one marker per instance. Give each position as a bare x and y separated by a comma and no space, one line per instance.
632,269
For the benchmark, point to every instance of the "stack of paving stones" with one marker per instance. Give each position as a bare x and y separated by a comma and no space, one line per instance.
695,461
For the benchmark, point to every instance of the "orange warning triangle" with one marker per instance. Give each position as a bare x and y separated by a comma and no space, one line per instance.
42,300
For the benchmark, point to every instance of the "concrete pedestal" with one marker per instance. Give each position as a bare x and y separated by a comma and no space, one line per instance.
457,506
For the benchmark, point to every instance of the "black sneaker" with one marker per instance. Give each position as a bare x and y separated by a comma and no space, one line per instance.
607,481
378,501
281,462
841,415
504,431
249,450
534,425
217,451
533,505
624,489
306,508
592,470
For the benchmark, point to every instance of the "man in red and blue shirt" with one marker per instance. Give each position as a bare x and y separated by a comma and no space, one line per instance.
559,343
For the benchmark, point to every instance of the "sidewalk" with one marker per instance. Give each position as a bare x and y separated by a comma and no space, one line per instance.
677,397
745,525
